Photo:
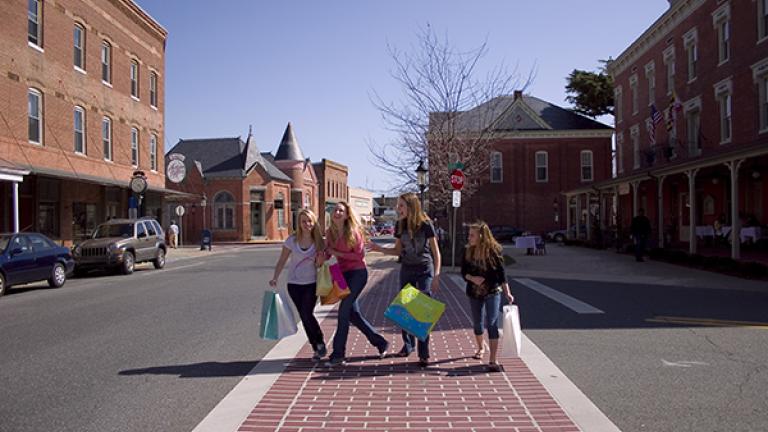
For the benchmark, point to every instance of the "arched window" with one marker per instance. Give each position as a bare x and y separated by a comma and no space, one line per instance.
224,211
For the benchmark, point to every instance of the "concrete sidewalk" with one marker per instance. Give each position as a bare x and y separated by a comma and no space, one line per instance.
287,391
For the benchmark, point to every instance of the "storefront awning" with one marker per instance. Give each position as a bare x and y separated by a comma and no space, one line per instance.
12,174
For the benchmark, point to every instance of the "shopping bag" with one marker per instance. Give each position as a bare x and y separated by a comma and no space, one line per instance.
338,276
415,312
335,295
324,280
277,318
512,338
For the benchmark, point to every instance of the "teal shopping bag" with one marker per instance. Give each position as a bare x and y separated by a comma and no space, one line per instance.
268,328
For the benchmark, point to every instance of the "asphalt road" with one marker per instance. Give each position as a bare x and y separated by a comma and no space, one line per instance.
154,351
646,366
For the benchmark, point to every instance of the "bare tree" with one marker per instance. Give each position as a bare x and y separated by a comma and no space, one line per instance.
447,114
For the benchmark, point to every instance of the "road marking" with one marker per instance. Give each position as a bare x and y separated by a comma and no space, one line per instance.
684,363
708,322
575,305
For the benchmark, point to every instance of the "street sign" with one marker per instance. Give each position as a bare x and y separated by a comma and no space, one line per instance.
457,198
180,210
457,179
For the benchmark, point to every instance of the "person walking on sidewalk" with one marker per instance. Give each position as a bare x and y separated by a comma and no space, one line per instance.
173,233
345,240
641,230
305,248
482,266
417,247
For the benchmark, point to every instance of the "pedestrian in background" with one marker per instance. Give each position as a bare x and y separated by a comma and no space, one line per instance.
173,234
345,240
641,231
416,245
482,266
305,249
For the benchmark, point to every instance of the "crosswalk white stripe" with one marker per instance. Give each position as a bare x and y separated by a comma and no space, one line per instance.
575,305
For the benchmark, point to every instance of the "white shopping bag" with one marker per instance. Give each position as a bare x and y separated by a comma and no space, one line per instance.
286,320
512,334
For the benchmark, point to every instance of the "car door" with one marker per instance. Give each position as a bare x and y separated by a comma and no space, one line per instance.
20,268
45,256
149,251
141,241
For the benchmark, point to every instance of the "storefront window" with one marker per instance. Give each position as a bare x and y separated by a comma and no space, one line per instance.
83,220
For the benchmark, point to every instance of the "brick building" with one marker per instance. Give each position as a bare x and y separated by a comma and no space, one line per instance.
538,150
332,181
82,95
692,122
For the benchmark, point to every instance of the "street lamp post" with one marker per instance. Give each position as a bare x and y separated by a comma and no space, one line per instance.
203,203
421,180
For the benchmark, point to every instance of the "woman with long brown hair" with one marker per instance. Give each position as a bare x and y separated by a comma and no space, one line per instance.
305,248
345,240
482,267
419,254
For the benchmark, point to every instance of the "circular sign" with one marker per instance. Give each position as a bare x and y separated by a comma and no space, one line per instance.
180,210
457,179
176,171
139,184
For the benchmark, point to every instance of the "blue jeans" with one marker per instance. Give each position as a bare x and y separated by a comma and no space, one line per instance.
421,280
305,298
349,312
492,306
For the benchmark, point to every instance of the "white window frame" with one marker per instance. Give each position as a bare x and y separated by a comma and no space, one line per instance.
281,220
37,116
618,97
694,142
78,52
134,147
539,165
620,153
650,76
691,44
497,166
227,210
106,63
35,17
721,21
153,89
153,152
724,98
106,138
634,94
760,77
134,77
634,136
669,62
762,20
81,111
589,163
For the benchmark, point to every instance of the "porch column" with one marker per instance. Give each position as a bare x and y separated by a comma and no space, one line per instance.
635,185
588,198
660,205
734,166
568,217
602,207
577,216
15,206
692,210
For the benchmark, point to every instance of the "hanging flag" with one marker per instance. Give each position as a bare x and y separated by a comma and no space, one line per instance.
671,112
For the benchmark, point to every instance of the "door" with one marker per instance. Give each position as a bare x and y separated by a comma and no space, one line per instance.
257,219
45,256
21,267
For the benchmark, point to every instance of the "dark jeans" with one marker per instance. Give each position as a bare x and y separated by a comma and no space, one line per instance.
421,280
492,306
640,245
349,312
305,298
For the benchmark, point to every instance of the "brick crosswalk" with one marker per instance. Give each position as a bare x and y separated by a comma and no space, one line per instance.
456,392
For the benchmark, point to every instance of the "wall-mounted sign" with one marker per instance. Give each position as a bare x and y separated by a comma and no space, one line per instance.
176,171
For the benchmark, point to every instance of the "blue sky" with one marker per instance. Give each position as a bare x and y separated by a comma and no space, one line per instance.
264,63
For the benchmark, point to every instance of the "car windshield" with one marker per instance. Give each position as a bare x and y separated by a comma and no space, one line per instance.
114,230
4,242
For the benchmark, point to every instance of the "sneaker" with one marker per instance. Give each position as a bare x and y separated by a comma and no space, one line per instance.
322,350
383,351
423,362
335,361
404,352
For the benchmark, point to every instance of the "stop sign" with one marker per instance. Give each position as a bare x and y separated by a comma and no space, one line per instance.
457,179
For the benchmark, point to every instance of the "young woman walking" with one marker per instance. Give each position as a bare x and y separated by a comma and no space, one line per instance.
345,240
483,268
305,248
419,254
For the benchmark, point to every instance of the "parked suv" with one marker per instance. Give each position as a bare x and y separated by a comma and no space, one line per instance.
120,244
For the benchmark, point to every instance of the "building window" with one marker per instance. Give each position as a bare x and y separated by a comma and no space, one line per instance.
79,126
224,211
762,19
634,136
618,100
153,89
135,79
497,172
106,62
669,62
724,100
693,131
79,47
634,93
586,165
307,200
34,27
542,167
650,76
280,206
106,137
620,153
724,40
134,147
35,116
690,40
763,87
153,152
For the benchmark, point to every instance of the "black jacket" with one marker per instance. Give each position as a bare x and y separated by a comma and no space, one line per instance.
494,275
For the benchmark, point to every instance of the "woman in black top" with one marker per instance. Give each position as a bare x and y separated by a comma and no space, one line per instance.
482,267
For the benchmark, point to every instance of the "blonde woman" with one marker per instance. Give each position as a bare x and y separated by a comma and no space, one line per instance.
345,240
483,268
419,254
305,249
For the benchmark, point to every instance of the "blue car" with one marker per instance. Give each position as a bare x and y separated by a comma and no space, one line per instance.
32,257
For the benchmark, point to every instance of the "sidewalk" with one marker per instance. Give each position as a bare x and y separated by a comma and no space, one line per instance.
456,392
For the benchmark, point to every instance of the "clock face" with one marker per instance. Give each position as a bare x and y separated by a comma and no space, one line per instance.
138,184
176,171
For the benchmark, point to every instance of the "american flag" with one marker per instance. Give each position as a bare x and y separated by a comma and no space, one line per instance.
656,118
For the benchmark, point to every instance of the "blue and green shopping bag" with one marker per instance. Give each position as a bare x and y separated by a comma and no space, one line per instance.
415,312
277,319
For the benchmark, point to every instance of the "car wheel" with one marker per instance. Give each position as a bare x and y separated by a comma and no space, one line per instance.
128,263
58,276
3,287
159,262
559,238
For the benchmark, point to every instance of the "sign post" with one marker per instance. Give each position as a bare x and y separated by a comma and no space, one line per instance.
457,182
180,210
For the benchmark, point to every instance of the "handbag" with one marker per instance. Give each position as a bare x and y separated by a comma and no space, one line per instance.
338,276
277,318
512,338
324,280
335,295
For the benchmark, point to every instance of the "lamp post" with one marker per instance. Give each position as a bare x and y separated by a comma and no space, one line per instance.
421,180
203,203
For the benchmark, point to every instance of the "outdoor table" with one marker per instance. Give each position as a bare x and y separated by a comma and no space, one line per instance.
527,242
753,233
705,231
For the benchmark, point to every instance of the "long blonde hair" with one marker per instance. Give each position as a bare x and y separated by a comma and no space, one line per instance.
486,249
351,226
414,217
315,233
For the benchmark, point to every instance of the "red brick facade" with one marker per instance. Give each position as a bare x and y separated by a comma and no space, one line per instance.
332,181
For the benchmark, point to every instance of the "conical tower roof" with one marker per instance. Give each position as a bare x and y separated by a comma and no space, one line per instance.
289,148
